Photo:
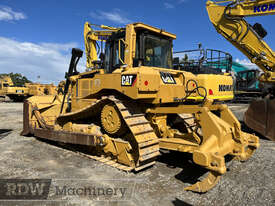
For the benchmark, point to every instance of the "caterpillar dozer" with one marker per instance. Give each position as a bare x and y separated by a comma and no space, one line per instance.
130,103
228,17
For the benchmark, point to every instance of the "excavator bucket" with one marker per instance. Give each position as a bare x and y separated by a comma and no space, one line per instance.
260,117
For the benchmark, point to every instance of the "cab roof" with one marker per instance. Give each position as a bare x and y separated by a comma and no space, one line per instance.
140,25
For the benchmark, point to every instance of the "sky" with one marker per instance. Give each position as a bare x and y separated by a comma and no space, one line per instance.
36,37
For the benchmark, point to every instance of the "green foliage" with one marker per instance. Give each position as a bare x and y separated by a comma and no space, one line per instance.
18,79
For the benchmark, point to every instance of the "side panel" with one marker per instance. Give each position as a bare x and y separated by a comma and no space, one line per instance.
219,87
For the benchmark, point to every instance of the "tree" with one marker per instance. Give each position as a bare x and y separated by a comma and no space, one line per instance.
18,79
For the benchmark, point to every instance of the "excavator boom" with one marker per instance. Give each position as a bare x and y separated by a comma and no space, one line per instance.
230,23
228,17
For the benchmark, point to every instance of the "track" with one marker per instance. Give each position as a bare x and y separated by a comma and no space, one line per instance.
142,132
142,138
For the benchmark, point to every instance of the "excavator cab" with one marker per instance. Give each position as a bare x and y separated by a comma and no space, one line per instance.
248,81
5,82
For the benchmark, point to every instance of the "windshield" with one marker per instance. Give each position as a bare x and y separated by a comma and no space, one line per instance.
157,52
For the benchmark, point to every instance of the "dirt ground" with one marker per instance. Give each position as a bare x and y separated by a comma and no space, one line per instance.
248,183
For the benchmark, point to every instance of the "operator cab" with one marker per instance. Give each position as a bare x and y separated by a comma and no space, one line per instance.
248,80
114,51
4,85
152,49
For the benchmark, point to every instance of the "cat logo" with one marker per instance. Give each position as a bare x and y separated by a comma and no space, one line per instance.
167,78
128,80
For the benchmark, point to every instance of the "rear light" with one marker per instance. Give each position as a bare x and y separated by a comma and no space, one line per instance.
210,92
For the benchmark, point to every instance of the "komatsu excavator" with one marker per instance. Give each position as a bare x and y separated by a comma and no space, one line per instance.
229,21
130,103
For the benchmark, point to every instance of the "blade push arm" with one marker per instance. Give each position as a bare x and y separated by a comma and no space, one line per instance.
229,22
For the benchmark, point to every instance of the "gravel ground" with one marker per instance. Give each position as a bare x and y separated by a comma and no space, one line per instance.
248,183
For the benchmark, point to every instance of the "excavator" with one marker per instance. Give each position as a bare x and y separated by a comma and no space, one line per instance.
19,93
228,17
247,86
130,103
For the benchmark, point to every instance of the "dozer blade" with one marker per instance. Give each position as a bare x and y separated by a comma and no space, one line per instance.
115,152
260,117
206,184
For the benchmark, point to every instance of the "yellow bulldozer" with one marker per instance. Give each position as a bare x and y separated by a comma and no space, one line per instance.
130,103
228,17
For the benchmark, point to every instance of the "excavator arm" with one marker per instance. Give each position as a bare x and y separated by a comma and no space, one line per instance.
92,38
228,19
